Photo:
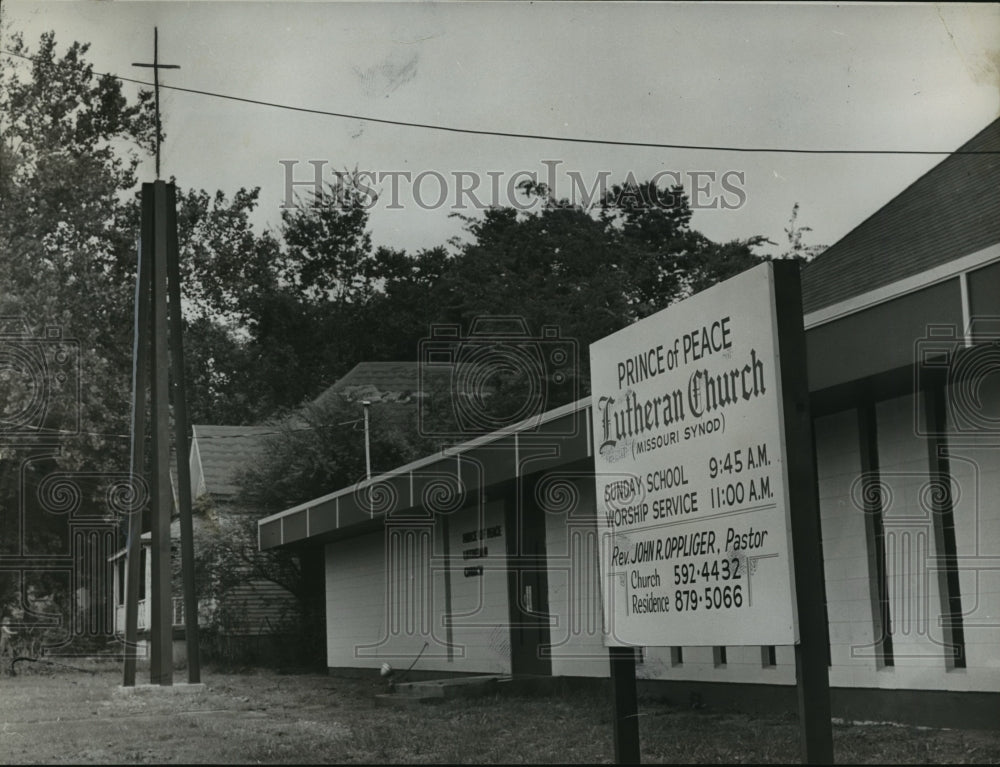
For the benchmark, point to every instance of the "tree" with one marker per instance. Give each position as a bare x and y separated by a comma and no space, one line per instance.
322,447
796,247
405,303
70,143
229,275
65,258
227,562
585,273
276,294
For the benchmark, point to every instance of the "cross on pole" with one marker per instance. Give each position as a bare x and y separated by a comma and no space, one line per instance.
156,66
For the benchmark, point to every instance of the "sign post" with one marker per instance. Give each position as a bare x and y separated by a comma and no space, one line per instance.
626,705
813,650
705,481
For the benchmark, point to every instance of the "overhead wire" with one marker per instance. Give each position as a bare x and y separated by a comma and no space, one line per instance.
538,136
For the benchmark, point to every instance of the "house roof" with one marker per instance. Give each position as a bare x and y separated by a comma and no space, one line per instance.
393,381
397,381
221,452
949,212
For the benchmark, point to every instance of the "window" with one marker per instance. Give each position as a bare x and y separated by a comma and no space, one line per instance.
768,656
142,573
719,656
121,580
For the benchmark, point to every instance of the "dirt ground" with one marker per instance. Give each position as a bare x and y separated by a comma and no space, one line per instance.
65,715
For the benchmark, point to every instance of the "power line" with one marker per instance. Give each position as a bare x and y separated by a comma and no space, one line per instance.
538,136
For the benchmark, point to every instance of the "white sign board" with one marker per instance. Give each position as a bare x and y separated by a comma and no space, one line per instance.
691,494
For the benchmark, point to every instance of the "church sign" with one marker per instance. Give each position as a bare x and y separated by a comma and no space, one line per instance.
690,466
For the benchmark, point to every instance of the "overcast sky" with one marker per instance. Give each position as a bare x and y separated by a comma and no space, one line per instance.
915,77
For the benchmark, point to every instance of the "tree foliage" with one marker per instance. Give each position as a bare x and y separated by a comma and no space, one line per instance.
70,143
274,317
322,449
796,246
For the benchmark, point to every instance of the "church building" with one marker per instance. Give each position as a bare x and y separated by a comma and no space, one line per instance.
482,559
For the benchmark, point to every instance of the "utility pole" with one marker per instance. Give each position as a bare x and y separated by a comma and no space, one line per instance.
368,452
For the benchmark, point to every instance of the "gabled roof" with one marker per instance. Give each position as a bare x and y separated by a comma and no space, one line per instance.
951,211
218,453
393,381
397,381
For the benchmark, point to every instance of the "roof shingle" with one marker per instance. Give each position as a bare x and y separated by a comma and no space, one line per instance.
223,452
951,211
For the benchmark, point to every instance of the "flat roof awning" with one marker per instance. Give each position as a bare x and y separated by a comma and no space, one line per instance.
438,483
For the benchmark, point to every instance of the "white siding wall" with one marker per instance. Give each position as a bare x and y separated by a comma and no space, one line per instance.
913,586
845,550
975,468
356,614
385,598
357,584
743,664
914,597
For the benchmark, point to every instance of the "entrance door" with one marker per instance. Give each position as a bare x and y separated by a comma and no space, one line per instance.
527,585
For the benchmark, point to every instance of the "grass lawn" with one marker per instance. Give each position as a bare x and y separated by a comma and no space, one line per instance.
76,717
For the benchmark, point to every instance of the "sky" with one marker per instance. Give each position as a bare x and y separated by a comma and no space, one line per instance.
919,77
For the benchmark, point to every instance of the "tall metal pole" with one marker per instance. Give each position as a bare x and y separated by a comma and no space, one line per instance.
368,452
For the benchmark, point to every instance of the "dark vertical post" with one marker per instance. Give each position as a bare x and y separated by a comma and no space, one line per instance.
181,442
161,616
812,651
875,534
943,513
446,551
626,704
134,542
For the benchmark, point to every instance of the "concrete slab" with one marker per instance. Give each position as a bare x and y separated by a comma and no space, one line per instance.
181,688
452,687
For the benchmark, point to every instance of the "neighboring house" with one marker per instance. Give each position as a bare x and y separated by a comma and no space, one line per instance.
456,388
483,559
378,382
251,608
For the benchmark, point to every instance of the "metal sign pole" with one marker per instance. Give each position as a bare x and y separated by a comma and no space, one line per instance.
626,705
812,652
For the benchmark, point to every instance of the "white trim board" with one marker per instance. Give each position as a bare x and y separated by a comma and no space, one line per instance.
902,287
